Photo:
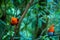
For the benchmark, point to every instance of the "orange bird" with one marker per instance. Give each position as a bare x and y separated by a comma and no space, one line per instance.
14,21
51,29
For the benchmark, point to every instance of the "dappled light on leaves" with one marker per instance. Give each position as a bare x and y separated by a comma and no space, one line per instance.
29,19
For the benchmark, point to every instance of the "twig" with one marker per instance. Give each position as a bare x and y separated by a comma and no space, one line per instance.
27,7
33,4
20,20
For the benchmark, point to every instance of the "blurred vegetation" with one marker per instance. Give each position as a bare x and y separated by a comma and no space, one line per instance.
39,16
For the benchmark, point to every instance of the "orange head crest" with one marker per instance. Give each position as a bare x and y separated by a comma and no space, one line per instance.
51,29
14,20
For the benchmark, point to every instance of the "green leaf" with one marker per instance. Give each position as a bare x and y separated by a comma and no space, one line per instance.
37,5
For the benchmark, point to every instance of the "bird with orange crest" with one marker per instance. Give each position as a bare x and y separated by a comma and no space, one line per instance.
14,21
51,30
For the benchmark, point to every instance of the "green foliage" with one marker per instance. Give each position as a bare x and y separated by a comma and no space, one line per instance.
35,18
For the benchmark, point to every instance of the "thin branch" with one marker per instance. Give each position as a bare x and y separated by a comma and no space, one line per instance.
27,7
20,20
32,5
